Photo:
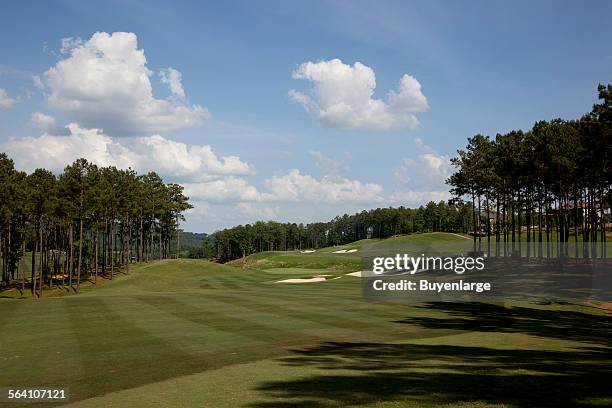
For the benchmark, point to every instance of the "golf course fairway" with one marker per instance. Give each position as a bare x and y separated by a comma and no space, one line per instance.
181,333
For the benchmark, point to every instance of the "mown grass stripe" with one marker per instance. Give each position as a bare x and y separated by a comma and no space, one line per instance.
116,354
332,319
357,306
327,312
188,336
224,320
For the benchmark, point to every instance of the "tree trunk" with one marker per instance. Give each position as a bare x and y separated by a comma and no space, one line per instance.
488,225
141,247
42,264
23,272
112,248
80,255
70,256
178,238
96,254
474,218
34,261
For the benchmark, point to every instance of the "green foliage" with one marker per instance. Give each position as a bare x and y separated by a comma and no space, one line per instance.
85,217
551,183
379,223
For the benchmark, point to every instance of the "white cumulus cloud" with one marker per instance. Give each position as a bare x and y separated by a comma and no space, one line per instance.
37,82
295,186
422,177
342,96
173,79
290,187
5,100
228,189
330,166
417,198
150,153
104,83
178,159
428,170
42,121
253,211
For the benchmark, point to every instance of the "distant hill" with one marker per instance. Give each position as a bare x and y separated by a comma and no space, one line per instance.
192,244
192,239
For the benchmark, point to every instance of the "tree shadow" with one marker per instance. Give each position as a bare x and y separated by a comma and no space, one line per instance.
355,374
490,317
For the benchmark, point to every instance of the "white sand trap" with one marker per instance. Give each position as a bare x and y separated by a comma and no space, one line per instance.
308,251
299,280
322,276
358,274
351,250
337,277
460,236
340,251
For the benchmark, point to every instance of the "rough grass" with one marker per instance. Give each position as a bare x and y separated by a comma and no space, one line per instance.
192,333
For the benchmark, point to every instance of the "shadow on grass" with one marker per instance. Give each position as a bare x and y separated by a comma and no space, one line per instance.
355,374
490,317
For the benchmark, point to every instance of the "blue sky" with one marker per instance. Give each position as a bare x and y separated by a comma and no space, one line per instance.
232,133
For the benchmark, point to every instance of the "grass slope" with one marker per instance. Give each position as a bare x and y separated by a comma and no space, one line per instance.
192,333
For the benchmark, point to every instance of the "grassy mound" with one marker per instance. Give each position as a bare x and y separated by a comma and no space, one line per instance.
333,263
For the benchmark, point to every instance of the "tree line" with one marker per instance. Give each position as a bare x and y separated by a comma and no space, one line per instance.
537,191
523,190
86,222
242,240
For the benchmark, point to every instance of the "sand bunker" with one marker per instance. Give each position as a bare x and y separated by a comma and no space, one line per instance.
308,251
300,280
358,274
461,236
344,251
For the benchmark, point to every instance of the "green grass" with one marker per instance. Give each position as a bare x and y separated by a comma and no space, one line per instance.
303,272
353,245
294,259
88,282
191,333
431,243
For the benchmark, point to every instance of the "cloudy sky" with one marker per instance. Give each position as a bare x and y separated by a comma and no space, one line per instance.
293,111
